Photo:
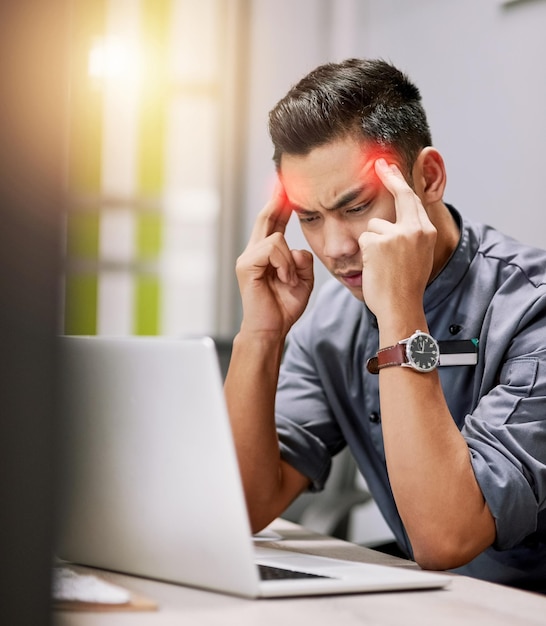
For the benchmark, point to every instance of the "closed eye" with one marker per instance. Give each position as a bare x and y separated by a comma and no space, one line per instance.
306,217
358,209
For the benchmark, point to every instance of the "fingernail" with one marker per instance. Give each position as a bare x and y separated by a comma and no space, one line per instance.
382,163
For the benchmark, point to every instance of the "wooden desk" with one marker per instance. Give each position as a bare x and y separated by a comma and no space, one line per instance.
466,601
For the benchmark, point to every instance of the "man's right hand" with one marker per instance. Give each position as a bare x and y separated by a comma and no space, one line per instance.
275,282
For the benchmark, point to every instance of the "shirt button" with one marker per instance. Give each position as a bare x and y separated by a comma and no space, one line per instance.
374,417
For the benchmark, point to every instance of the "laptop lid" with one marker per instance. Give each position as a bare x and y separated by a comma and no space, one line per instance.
150,478
151,485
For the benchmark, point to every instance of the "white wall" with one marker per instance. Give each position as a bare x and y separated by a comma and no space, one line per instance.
481,70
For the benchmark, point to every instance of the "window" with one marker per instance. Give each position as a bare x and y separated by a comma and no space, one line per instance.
153,159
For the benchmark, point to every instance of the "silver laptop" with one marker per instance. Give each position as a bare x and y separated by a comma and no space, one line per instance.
151,484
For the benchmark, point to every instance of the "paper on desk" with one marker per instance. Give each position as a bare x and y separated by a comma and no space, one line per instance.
75,590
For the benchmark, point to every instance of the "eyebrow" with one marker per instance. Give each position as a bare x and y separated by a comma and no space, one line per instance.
342,201
348,197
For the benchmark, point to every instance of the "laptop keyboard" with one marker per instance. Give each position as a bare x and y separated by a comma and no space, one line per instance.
267,572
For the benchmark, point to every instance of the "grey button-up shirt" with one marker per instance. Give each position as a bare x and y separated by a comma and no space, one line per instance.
493,289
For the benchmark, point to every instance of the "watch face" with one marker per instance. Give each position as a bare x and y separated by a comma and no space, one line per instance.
423,352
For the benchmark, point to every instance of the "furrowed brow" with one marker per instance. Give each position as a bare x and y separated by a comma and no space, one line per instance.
300,210
347,198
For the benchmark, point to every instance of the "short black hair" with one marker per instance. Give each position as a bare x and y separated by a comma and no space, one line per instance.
366,98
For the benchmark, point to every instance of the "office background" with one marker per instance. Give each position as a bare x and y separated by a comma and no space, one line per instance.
170,158
155,112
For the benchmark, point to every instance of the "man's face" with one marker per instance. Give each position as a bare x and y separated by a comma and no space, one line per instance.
335,191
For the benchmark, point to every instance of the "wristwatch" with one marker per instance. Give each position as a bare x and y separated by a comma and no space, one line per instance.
420,352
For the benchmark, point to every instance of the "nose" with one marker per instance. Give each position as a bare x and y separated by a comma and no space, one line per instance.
339,241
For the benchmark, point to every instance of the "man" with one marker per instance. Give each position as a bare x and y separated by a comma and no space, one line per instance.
454,452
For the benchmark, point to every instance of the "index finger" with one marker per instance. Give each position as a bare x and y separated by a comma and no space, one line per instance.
274,217
406,202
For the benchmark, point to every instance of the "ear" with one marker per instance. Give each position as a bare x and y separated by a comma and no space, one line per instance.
429,175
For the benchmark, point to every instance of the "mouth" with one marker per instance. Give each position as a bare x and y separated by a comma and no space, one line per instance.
353,280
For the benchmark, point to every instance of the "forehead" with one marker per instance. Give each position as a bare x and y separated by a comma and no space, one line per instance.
317,179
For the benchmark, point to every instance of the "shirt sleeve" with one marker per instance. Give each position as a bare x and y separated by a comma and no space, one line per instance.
506,435
308,433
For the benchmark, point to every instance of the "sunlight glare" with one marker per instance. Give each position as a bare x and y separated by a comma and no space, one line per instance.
113,57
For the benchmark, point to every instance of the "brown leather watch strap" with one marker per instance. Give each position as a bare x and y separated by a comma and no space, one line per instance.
386,357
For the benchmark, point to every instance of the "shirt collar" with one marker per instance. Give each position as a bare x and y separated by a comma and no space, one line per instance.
456,267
